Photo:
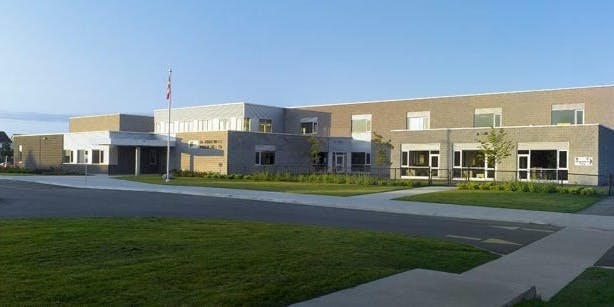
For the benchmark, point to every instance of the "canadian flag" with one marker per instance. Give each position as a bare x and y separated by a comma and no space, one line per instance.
168,86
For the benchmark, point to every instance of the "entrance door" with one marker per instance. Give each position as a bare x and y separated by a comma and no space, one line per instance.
434,165
523,167
339,162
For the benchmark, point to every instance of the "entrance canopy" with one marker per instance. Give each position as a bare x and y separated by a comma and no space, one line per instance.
116,138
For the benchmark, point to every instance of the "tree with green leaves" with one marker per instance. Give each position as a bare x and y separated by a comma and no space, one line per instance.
6,151
496,145
314,149
382,150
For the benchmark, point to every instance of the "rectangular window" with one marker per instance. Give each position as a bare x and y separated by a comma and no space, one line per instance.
265,125
361,158
97,156
265,157
224,124
82,156
246,124
472,164
490,117
193,144
68,156
361,123
309,127
457,158
419,158
567,114
562,159
418,120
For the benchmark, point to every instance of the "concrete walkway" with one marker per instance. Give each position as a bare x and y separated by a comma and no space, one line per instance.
541,268
602,207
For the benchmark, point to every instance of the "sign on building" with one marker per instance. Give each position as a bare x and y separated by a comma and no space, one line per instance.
584,161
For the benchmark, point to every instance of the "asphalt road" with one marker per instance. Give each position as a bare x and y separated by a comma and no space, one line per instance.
25,200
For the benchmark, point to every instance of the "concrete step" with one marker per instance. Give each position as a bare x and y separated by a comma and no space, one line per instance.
421,287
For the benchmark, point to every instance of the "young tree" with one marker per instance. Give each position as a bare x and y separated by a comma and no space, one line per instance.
6,152
382,150
314,149
496,145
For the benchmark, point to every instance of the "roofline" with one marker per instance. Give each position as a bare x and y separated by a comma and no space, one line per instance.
38,134
201,106
502,127
454,96
108,114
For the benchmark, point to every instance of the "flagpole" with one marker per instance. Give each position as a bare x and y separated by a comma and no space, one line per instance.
168,136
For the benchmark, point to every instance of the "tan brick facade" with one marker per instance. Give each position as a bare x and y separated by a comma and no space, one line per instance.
111,122
38,151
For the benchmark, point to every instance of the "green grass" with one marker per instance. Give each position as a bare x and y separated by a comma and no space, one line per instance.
194,262
332,189
592,288
515,200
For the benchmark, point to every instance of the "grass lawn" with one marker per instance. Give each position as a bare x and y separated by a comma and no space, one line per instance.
149,261
591,288
276,186
514,200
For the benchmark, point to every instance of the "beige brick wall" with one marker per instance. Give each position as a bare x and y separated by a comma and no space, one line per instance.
519,109
202,160
111,122
39,151
583,142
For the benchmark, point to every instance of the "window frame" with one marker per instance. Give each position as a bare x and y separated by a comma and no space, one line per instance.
264,123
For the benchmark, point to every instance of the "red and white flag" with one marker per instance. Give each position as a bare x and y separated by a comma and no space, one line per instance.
168,86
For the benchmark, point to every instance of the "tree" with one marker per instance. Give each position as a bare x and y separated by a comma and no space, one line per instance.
382,150
314,149
6,151
496,145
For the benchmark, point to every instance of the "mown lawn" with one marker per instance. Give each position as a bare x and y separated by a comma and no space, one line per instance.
515,200
149,261
332,189
592,288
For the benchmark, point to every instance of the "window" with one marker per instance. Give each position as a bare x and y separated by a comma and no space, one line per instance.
265,125
361,161
361,123
322,158
68,156
246,124
20,154
418,120
265,157
97,156
419,163
309,128
487,117
82,156
567,114
472,164
224,124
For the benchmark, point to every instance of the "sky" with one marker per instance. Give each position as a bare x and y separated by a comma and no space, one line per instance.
68,58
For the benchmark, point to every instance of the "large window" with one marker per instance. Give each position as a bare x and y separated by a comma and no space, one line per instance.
487,117
361,123
265,157
472,164
361,161
419,163
567,114
265,125
247,124
82,156
68,156
309,127
418,120
542,164
97,156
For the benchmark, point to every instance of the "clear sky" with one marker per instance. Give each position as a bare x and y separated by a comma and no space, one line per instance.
60,58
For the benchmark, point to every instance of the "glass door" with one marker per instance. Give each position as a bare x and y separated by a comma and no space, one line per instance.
339,162
434,165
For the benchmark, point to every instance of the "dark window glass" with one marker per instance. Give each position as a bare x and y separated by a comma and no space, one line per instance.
418,158
265,125
404,157
457,158
562,159
267,157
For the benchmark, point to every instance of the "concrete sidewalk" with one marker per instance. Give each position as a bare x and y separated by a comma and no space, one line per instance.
540,269
363,202
602,207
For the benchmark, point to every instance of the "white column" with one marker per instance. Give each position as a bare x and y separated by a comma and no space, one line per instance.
137,161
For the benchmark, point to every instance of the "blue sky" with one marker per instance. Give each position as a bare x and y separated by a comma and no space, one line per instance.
60,58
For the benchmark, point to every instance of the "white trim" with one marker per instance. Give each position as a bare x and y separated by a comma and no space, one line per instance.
361,116
543,146
568,107
265,148
95,115
419,114
466,146
504,127
496,111
420,147
455,96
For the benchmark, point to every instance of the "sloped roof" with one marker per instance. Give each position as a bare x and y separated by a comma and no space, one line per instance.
4,138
